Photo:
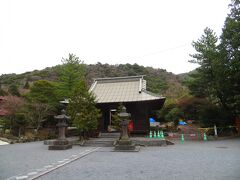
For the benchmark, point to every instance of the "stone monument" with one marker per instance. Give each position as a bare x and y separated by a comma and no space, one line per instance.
124,143
61,143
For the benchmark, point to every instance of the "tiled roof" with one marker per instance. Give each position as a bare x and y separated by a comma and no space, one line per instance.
122,89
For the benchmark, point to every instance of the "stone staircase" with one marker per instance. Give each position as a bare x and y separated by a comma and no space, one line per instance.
108,140
104,140
115,135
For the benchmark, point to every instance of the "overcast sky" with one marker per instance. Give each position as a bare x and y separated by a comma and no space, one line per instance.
35,34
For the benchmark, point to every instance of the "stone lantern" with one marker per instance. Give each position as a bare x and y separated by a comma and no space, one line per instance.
61,143
124,143
124,116
62,124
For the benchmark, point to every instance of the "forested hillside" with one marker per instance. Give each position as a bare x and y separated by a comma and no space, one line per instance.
158,80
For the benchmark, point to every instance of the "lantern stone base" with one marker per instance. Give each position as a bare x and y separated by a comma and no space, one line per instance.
126,146
60,145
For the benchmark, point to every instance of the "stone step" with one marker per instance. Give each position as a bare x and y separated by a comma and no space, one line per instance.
98,145
110,135
100,142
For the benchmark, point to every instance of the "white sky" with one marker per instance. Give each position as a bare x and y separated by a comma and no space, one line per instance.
35,34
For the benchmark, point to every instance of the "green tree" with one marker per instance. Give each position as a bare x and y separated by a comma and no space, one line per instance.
71,73
210,115
217,78
21,122
161,114
82,109
44,92
173,115
211,78
13,90
200,110
192,106
2,92
42,101
26,85
230,57
203,82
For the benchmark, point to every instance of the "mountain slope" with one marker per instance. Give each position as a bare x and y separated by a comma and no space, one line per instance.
158,80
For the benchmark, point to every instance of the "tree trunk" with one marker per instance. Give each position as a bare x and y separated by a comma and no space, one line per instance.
37,129
81,137
19,132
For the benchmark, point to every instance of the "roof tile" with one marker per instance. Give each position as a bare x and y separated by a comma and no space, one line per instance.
121,89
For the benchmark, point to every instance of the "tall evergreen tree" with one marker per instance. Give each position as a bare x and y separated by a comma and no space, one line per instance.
230,52
82,109
204,81
72,72
217,78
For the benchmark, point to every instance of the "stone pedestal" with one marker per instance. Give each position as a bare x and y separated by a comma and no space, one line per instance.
124,145
60,145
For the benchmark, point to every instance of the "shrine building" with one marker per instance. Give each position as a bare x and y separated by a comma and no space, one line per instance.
129,91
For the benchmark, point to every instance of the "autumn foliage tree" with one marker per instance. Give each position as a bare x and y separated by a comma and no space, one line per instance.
15,116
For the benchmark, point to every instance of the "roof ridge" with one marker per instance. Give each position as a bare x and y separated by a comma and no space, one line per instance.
118,78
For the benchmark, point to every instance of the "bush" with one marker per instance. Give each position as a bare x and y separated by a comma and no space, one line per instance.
173,115
4,124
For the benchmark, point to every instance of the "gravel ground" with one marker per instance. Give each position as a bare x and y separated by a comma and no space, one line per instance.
193,160
20,159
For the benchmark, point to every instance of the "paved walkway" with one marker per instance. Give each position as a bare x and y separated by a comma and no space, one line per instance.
213,160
